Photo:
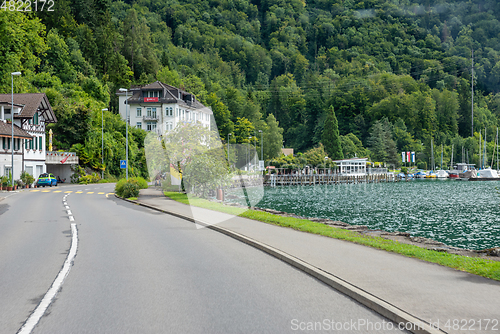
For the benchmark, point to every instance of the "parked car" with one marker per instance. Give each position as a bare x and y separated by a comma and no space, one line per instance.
46,179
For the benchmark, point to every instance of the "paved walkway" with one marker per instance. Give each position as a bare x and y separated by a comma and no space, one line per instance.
459,302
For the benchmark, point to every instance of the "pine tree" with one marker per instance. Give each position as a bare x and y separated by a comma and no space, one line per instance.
331,137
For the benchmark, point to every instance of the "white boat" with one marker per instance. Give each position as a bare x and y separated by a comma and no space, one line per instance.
442,174
487,174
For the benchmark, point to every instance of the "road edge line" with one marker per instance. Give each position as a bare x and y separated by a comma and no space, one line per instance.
372,302
49,296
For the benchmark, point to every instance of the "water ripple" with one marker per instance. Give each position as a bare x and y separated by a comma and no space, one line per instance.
460,214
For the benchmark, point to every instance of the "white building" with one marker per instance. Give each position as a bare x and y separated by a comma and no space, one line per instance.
354,166
160,107
31,113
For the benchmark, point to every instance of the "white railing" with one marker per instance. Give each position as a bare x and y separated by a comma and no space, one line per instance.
55,158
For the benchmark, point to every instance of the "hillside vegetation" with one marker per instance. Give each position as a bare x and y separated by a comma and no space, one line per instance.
397,73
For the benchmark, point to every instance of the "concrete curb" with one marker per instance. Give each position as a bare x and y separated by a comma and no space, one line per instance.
391,312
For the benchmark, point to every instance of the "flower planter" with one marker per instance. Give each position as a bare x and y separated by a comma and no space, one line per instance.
9,188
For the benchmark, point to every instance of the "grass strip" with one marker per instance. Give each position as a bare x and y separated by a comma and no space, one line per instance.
473,265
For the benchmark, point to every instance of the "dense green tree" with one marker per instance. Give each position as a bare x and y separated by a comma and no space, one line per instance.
273,138
331,138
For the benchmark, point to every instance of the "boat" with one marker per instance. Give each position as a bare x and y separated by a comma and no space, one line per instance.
487,174
430,175
419,175
442,174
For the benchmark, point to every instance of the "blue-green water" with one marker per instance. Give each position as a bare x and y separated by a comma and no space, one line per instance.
459,213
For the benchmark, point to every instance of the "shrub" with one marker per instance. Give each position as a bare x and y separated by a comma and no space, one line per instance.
143,184
130,189
123,188
94,178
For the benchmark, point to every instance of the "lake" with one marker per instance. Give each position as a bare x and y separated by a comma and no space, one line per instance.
459,213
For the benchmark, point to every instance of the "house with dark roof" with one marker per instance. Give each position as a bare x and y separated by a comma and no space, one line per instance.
159,107
31,113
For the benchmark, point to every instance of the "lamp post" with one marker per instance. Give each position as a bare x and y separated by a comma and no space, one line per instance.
126,129
261,146
249,153
12,124
228,143
102,141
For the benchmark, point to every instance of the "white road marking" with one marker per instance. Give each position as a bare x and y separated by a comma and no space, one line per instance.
66,207
56,285
69,212
71,219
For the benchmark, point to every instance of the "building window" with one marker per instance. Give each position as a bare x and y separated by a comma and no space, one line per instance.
152,94
151,126
153,113
139,125
40,146
168,111
35,118
139,112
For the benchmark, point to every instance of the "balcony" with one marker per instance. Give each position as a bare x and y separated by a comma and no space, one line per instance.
150,118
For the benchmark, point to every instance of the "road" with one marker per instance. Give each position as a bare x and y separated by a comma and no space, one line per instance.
140,271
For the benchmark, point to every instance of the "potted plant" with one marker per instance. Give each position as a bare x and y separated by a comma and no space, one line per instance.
24,178
18,184
9,182
30,180
3,182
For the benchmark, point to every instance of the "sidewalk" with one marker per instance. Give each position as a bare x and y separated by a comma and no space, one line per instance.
459,302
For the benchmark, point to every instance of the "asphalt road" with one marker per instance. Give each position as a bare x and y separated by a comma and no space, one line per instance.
140,271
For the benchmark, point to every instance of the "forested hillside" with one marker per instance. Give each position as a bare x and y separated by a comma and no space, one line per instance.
397,73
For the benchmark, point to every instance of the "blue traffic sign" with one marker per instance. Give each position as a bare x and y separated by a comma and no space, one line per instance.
123,164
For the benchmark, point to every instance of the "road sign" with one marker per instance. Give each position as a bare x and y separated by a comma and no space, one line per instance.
261,165
123,164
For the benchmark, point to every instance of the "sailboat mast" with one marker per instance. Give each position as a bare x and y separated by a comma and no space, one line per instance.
484,155
451,162
472,100
432,154
480,151
497,147
441,156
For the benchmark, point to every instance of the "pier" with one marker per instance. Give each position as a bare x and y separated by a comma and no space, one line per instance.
332,178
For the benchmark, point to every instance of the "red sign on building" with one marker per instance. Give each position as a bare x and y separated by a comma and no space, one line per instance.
150,99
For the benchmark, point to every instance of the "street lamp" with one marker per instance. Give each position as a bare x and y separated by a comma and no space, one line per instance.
261,146
228,143
249,153
102,142
126,128
12,124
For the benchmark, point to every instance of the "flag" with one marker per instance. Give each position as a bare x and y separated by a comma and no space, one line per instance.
403,156
412,156
64,160
408,157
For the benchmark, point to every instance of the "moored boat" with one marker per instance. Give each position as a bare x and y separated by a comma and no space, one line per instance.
442,174
487,174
